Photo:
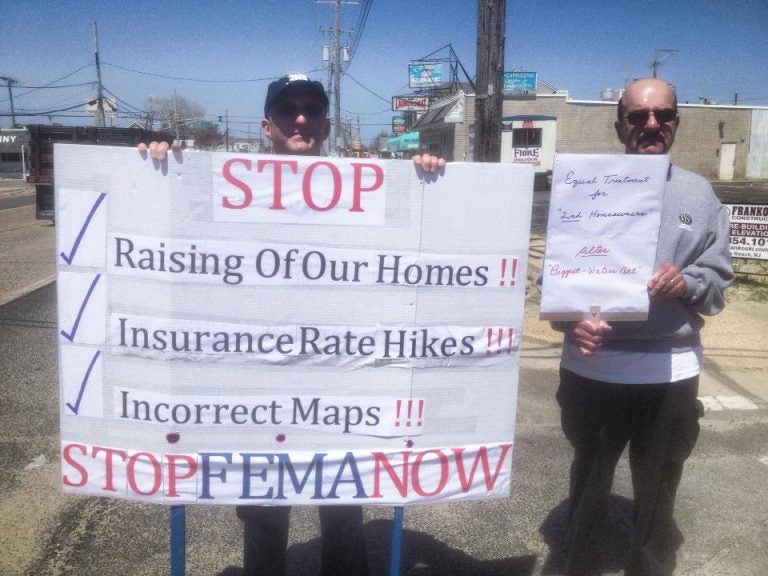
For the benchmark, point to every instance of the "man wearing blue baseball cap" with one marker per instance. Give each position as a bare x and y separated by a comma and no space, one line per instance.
295,120
295,115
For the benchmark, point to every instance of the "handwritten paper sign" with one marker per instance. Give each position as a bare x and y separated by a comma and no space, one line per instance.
603,230
251,329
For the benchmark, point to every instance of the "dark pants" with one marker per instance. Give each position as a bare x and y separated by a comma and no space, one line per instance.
660,423
265,540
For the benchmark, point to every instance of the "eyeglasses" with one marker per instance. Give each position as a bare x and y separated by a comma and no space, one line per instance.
310,110
640,117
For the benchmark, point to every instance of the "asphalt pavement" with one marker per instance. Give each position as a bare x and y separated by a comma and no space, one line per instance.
722,509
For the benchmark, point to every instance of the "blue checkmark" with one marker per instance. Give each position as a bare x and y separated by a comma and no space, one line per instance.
71,334
68,258
76,407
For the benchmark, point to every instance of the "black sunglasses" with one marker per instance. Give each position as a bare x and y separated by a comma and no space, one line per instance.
640,117
310,110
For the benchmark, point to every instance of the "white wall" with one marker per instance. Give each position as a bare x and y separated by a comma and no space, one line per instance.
757,158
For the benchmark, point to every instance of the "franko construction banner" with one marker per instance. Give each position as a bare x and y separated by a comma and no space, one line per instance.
251,329
749,230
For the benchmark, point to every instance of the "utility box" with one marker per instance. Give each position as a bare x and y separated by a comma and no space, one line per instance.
42,137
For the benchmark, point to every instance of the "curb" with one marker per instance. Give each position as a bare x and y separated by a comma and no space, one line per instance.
9,297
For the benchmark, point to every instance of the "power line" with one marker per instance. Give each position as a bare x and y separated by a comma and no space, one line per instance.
361,22
122,102
351,113
49,84
205,80
55,87
364,87
38,113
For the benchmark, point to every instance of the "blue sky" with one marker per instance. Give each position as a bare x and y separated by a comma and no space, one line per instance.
153,48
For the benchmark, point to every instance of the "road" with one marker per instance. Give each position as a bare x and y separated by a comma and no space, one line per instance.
722,510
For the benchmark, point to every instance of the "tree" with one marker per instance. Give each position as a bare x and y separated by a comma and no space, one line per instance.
207,136
381,138
174,114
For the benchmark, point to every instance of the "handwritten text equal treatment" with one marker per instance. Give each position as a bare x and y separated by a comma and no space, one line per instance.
604,217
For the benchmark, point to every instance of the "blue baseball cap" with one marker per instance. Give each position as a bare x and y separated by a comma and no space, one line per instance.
279,86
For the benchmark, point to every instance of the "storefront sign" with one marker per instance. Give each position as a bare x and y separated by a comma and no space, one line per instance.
410,103
527,155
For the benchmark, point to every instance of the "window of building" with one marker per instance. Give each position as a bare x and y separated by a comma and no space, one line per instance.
526,138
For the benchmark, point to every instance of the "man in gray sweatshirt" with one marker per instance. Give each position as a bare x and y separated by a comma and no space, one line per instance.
636,383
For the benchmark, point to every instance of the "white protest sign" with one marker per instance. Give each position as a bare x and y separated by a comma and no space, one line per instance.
604,217
250,329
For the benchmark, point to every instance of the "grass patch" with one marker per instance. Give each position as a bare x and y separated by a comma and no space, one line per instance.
747,289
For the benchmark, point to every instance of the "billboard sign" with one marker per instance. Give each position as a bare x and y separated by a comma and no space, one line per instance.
425,75
520,84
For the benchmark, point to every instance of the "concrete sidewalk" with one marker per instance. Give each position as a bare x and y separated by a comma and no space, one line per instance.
13,187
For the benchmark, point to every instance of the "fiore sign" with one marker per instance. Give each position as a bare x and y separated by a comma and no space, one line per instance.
287,330
527,155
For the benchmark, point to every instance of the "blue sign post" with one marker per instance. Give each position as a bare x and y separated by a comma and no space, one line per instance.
178,541
395,559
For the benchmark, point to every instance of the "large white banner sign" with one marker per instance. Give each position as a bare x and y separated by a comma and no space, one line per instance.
248,329
603,230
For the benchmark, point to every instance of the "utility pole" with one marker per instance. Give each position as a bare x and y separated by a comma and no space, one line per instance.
338,141
226,130
489,96
337,70
175,115
99,93
656,61
10,82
